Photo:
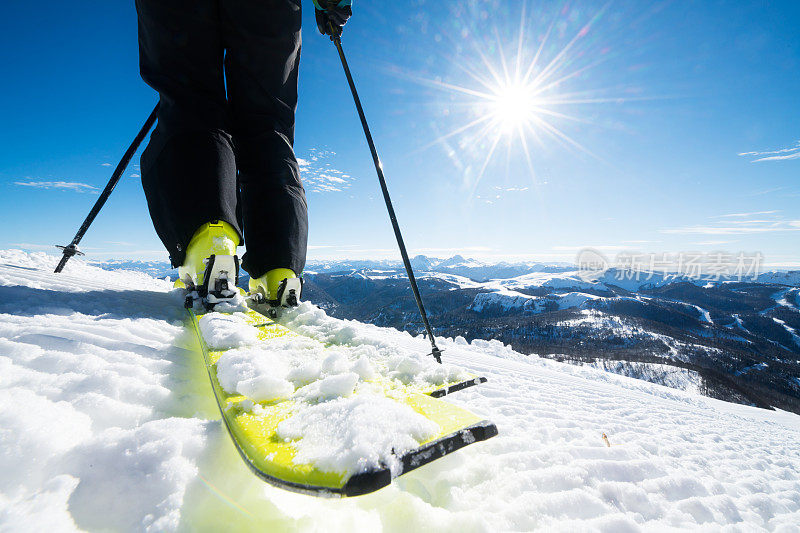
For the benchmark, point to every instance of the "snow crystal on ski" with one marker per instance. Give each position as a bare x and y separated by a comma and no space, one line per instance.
355,434
255,373
223,331
409,366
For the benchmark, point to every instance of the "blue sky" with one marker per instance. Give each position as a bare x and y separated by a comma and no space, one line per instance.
628,132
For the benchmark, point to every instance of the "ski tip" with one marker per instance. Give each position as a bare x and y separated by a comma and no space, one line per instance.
373,480
444,391
366,482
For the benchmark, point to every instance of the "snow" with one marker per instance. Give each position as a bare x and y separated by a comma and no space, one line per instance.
255,373
575,299
507,300
791,277
457,281
667,375
471,273
107,424
758,366
789,329
222,331
705,316
328,428
361,348
460,268
354,434
782,297
329,388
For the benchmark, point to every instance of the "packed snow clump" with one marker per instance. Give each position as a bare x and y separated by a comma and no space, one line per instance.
355,434
367,342
255,373
223,331
329,388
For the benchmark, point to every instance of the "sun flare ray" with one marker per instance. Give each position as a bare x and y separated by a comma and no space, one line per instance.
453,133
522,99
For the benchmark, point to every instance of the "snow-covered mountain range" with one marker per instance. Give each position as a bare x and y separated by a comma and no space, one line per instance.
107,424
470,268
731,338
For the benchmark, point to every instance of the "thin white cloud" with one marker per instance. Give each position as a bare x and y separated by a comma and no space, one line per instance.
459,251
755,222
795,155
319,175
141,255
31,246
58,185
711,243
135,176
781,154
369,252
745,215
46,247
511,189
748,227
604,247
768,191
352,253
105,164
748,222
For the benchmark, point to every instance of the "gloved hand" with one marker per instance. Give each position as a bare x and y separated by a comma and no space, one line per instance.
332,12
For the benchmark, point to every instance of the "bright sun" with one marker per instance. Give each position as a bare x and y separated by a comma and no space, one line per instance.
513,106
520,100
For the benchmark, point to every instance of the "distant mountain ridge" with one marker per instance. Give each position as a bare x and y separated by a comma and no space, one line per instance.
482,271
471,268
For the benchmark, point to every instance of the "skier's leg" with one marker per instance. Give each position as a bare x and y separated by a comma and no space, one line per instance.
262,38
188,168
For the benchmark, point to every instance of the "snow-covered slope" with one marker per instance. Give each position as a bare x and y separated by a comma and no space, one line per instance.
106,424
506,299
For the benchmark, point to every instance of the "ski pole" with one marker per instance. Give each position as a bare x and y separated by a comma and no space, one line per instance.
436,352
72,248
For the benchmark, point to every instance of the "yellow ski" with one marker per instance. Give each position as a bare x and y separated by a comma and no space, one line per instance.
255,433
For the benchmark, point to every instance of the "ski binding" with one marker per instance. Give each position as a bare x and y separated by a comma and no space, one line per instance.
219,282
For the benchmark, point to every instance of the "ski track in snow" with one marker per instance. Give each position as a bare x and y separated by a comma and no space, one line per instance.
106,424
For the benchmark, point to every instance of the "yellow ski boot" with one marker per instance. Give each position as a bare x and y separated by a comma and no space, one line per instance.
280,287
211,266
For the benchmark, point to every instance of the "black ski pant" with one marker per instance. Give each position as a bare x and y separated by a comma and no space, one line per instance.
226,74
